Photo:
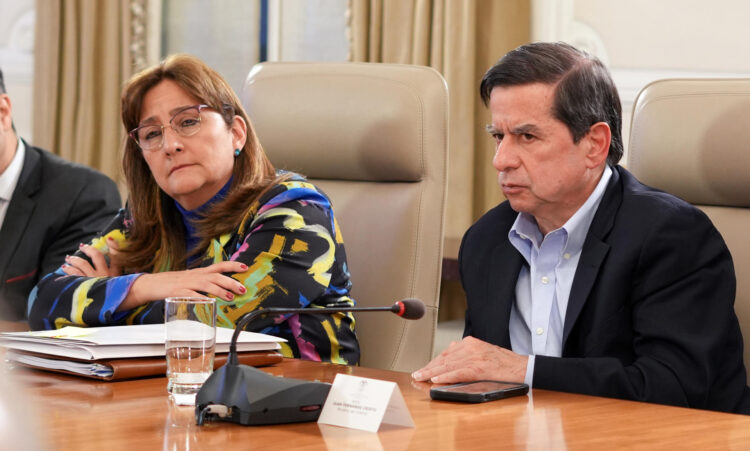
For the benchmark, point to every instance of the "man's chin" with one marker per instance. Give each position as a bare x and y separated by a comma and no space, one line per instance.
517,205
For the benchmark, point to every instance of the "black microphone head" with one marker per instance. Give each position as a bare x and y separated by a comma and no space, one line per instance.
409,308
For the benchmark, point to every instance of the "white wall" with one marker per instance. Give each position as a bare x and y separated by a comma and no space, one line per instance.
646,40
307,30
16,59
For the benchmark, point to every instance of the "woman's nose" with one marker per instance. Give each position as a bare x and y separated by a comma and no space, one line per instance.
172,141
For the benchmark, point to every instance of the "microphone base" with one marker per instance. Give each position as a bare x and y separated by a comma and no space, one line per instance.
244,395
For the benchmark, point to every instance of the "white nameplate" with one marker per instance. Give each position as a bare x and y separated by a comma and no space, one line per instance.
361,403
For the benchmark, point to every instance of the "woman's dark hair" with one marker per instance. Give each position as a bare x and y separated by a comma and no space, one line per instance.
585,92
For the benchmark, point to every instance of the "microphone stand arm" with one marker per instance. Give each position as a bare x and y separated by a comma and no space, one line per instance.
249,317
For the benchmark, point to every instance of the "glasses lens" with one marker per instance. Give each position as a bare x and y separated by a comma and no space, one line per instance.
149,136
187,122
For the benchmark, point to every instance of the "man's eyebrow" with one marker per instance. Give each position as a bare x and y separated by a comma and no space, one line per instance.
491,129
525,128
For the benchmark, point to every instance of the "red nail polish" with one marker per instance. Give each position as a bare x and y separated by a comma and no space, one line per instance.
80,245
243,266
243,289
230,295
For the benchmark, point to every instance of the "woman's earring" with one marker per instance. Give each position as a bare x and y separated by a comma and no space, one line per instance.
237,152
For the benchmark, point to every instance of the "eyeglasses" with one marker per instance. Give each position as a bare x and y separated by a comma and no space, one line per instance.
185,122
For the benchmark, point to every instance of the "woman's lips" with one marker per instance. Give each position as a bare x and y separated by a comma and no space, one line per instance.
177,168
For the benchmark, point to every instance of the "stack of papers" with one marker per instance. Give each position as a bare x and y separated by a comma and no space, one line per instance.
92,369
122,352
147,340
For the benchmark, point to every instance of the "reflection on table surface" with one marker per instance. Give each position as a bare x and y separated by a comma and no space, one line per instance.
77,414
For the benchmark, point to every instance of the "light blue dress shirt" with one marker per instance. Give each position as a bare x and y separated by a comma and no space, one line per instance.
537,316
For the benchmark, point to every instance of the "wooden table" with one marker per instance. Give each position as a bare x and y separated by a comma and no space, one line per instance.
78,414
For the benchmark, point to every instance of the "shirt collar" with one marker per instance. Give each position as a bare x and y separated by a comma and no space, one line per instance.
9,178
578,224
525,229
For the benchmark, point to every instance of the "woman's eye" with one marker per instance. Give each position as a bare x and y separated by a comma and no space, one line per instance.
151,134
189,122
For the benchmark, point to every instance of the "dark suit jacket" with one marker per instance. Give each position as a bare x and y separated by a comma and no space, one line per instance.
651,309
56,205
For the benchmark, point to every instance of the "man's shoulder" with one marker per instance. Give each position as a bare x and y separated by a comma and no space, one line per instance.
653,202
645,211
54,170
57,163
492,226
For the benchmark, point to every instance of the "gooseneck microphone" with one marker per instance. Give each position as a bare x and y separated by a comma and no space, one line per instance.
245,395
407,309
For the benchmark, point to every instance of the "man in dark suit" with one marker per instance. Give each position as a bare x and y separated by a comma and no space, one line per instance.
48,206
586,280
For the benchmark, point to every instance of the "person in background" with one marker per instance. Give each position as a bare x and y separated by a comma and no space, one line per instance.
48,206
586,280
207,214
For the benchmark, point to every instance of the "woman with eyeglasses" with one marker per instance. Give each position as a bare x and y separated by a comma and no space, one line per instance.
207,214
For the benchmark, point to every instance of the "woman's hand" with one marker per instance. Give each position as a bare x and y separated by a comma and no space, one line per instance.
99,266
190,282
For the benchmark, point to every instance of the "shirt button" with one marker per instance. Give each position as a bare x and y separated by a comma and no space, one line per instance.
566,256
545,280
539,331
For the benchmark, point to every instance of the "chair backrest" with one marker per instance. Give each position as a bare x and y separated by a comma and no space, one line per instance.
690,137
374,137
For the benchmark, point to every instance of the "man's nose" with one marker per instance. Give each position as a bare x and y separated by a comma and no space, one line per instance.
505,157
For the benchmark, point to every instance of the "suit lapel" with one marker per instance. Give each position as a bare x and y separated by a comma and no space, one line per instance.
593,253
20,209
505,265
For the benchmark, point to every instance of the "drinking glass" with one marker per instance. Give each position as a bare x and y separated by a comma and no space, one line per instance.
190,344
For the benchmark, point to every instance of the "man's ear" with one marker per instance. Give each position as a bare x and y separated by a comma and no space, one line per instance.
6,110
598,139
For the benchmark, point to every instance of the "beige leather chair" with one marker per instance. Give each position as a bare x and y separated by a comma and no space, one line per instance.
691,137
374,138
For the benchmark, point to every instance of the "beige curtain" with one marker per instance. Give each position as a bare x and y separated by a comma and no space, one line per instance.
84,51
461,39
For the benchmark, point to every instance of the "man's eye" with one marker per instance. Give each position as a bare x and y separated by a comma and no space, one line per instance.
528,137
498,136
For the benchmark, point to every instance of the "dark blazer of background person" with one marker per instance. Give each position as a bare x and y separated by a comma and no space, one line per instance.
650,315
56,206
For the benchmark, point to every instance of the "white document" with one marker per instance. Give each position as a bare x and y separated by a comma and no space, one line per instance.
143,340
362,403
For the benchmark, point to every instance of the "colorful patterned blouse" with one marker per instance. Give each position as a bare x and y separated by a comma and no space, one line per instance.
295,255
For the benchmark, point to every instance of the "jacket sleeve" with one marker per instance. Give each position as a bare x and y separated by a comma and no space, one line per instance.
88,214
60,300
677,322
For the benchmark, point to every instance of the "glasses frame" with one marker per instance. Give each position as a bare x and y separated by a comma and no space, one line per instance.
133,134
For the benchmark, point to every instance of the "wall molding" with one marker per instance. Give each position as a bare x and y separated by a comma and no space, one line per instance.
629,82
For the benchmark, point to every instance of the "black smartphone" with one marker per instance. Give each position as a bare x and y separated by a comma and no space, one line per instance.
478,391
